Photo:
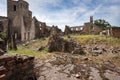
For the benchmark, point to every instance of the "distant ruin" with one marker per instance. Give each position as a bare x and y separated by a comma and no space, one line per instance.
87,28
91,28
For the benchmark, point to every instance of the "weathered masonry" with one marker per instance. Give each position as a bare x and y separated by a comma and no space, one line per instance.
20,19
20,24
87,28
17,67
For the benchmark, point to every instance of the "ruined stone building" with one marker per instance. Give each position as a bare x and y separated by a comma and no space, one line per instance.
20,20
20,24
42,30
87,28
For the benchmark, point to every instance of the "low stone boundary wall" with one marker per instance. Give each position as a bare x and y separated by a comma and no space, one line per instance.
17,67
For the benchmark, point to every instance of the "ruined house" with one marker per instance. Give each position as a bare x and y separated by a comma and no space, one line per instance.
87,28
20,24
42,30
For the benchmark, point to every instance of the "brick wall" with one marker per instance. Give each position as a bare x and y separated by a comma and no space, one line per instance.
16,67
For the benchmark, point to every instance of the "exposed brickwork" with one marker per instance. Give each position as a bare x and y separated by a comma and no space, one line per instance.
16,67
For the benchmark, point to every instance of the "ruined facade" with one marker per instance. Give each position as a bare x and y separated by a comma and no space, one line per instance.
42,30
20,23
87,28
20,19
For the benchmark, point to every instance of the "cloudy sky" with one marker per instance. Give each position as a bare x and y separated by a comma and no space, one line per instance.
71,12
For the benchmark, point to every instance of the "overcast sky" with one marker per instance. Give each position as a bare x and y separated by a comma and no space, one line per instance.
71,12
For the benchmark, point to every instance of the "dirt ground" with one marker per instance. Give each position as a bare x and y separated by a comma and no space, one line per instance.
78,67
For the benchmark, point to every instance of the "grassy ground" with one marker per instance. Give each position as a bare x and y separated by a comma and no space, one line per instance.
29,49
98,39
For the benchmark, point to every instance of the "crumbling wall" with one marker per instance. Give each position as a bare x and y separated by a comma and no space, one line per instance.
67,30
76,29
97,29
21,19
3,34
16,67
86,28
37,28
55,30
2,46
57,43
4,25
115,31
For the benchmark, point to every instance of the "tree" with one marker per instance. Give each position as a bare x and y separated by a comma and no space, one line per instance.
102,23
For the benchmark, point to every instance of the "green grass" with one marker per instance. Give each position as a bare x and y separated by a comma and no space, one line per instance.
27,51
99,39
29,48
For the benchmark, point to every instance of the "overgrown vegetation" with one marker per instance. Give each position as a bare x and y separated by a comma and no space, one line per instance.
97,39
102,23
31,47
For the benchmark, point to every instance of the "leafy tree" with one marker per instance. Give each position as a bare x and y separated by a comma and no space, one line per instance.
102,23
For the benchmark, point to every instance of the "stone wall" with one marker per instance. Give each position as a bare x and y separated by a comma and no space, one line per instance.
97,29
115,31
4,25
73,30
67,30
2,46
86,28
16,67
57,43
55,30
76,29
21,19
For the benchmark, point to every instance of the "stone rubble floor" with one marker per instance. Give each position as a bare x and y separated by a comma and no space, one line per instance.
75,67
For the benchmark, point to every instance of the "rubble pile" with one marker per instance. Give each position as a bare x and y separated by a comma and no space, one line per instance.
16,67
2,47
56,43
